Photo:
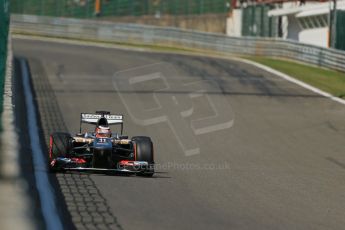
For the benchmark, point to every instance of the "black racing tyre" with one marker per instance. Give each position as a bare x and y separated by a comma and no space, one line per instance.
141,138
60,145
144,152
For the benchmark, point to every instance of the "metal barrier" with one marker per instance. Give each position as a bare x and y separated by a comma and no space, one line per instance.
110,32
4,26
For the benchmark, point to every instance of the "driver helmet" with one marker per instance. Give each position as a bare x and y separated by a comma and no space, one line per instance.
103,132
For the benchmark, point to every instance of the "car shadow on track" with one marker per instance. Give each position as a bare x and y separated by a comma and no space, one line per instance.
157,175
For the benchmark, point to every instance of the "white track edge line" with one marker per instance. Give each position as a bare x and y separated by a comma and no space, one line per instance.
291,79
44,188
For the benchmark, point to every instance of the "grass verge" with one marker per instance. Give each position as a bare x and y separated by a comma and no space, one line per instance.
330,81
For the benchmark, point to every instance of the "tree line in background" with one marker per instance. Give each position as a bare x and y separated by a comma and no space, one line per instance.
86,8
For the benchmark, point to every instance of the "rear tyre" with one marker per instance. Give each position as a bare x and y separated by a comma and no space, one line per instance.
144,152
60,145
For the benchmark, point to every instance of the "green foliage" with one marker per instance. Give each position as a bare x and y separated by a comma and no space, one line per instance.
85,8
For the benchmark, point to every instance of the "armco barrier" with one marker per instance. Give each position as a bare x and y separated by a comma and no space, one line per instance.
106,31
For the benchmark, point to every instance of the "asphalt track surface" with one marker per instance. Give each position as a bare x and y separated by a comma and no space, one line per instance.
236,147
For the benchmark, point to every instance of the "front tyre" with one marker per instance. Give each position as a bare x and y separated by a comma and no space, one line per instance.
143,151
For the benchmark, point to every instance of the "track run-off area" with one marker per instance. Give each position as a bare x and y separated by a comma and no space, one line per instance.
236,147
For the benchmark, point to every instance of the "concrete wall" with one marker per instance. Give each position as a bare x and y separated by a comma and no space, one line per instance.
215,23
234,23
317,36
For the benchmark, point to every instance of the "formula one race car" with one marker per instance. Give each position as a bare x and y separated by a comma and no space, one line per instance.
101,150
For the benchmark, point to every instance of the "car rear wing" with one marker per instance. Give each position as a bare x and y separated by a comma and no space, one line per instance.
92,118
